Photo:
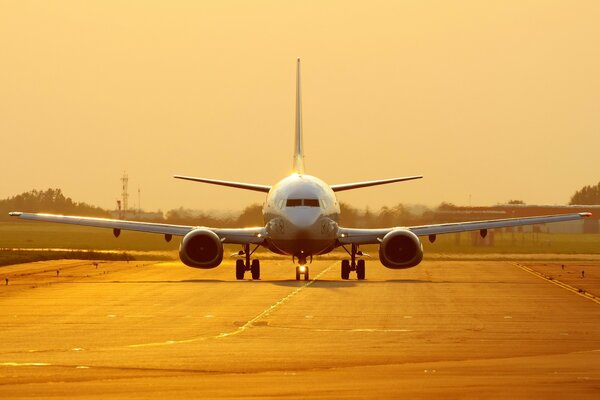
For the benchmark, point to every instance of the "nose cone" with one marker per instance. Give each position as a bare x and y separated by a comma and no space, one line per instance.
303,217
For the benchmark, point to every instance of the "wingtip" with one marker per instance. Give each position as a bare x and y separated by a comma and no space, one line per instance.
15,213
585,214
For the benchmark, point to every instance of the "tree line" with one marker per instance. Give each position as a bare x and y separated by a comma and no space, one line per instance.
587,195
48,201
54,201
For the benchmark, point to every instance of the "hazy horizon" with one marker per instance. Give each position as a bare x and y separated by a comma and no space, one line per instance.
489,101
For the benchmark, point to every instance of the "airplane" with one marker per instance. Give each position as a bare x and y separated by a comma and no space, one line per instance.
301,214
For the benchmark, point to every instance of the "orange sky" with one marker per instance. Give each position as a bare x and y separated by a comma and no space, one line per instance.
493,100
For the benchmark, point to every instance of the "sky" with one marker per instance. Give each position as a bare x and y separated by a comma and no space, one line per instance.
490,101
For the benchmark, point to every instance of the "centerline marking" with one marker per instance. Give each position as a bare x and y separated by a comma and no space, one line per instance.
266,312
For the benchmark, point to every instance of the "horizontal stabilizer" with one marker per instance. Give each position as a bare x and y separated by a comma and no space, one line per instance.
356,185
239,185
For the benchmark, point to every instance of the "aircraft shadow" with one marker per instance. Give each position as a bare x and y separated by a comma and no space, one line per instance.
321,283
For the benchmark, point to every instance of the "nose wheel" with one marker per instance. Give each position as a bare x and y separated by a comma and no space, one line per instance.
302,271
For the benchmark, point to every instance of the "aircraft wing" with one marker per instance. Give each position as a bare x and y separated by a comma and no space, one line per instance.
227,235
374,236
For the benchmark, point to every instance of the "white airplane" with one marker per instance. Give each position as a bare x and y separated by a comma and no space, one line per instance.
301,214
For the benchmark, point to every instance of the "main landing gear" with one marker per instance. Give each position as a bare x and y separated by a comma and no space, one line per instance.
353,264
241,266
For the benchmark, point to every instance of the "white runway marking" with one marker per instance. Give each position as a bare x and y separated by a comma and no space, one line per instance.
27,364
563,285
362,330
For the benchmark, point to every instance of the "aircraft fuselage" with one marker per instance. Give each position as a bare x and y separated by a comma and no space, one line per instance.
301,215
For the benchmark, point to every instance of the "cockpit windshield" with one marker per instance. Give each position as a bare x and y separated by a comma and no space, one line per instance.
302,202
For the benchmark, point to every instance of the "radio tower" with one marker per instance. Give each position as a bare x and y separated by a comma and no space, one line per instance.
124,194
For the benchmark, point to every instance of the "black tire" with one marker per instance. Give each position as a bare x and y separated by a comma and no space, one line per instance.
345,269
255,269
306,274
360,269
297,273
240,268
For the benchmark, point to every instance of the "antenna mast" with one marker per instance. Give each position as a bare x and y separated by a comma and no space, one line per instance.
124,194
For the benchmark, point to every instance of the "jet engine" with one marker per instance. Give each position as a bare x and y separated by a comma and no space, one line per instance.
201,248
400,249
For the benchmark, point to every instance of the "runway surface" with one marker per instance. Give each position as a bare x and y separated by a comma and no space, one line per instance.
445,329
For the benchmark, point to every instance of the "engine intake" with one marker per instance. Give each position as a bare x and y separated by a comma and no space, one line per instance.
201,248
400,249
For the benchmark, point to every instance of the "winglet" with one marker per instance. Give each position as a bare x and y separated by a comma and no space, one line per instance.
298,145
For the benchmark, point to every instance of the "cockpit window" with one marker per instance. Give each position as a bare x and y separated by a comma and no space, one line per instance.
311,202
294,203
302,202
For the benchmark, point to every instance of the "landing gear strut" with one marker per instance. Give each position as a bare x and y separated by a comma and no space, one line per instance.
302,270
353,264
241,267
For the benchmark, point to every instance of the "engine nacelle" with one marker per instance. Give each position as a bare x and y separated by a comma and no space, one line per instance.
400,249
201,248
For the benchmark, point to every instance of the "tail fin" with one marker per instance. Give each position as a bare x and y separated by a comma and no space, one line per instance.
298,145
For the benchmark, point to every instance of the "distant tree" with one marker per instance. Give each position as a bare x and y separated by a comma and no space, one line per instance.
348,215
587,195
516,202
186,216
395,216
49,201
444,206
251,216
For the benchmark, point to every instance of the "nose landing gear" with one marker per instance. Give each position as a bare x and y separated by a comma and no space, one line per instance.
302,270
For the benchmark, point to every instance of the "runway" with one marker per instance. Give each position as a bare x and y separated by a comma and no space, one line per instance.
445,329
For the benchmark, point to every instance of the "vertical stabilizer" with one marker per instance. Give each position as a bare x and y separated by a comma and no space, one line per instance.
298,145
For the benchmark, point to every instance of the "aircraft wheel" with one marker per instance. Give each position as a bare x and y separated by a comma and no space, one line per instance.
255,269
360,269
306,274
297,273
240,268
345,269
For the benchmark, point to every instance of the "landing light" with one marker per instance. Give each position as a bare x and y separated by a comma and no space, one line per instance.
303,268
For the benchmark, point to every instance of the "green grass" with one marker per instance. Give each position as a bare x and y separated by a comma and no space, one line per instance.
25,234
517,243
10,257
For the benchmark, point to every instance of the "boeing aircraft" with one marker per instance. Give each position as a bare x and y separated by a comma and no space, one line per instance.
301,214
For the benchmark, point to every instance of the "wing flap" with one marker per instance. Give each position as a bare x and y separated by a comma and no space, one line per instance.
491,224
227,235
373,236
166,229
